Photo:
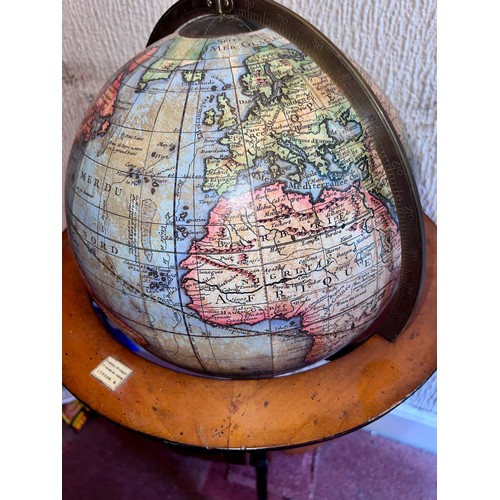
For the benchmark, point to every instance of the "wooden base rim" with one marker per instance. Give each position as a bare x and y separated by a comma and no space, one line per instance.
299,409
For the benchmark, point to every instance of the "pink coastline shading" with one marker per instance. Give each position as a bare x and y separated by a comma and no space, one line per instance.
296,216
104,106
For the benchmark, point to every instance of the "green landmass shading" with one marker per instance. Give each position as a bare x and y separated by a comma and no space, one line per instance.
209,117
181,52
298,118
193,76
227,117
160,70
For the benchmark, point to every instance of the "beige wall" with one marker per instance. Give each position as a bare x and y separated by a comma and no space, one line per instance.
393,40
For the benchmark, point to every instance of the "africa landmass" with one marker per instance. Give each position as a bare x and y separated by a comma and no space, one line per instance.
273,254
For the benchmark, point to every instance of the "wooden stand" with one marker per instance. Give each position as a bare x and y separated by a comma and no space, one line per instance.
285,412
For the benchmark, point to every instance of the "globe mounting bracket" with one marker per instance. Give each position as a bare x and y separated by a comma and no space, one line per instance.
221,6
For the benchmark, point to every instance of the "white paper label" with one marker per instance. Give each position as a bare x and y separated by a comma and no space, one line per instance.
111,372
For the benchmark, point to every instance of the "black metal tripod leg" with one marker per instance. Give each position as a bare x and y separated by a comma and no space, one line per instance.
259,460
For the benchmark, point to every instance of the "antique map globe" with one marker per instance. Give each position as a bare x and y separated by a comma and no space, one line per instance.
228,209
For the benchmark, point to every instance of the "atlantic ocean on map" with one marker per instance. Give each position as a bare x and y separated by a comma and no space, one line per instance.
227,208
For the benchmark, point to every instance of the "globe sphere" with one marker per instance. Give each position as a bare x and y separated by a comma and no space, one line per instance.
228,209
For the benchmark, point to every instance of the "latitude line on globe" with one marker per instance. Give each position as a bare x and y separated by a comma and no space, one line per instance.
153,298
298,240
329,228
246,332
317,205
186,132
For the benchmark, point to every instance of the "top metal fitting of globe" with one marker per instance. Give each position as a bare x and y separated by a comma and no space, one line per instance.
239,199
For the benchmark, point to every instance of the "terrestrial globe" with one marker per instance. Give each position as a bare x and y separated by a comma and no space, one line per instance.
235,200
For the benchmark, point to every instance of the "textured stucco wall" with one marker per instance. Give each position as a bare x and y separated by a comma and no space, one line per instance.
393,40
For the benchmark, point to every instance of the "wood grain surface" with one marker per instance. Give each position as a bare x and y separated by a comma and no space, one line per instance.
295,410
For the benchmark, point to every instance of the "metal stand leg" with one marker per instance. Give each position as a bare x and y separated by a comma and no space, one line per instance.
259,460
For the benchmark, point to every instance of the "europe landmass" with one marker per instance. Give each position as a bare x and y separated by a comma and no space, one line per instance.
290,121
275,254
299,119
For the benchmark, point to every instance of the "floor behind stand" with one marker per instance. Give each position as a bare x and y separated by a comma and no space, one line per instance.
105,461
